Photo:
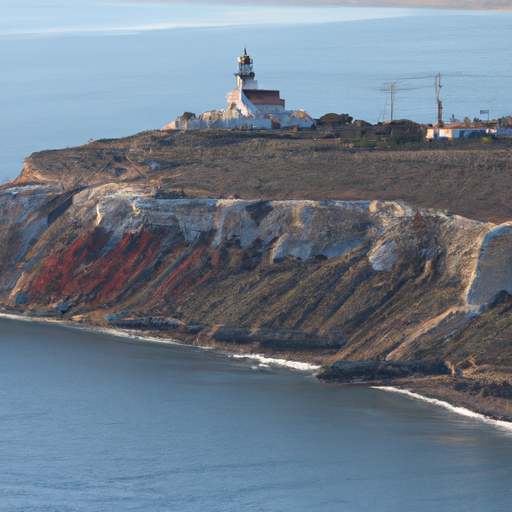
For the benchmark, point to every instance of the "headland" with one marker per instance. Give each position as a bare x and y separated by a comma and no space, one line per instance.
385,263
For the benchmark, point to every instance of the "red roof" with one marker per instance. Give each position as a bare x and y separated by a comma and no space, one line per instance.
262,97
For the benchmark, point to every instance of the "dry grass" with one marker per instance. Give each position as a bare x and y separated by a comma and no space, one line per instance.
470,178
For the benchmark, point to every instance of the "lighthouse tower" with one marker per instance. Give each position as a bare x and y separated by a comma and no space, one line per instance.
249,108
245,74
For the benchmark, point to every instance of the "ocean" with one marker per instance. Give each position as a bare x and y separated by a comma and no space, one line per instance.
91,69
94,422
91,421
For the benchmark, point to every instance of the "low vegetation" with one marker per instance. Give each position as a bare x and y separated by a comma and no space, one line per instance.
472,178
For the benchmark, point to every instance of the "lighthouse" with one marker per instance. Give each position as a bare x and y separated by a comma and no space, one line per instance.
248,108
245,74
247,97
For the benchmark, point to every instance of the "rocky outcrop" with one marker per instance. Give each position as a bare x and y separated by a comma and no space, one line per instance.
379,371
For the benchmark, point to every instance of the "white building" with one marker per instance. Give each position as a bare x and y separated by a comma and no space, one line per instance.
248,108
456,131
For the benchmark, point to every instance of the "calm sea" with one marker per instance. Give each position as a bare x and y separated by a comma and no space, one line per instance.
91,422
72,71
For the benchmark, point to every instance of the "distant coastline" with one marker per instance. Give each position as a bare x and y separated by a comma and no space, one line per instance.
474,5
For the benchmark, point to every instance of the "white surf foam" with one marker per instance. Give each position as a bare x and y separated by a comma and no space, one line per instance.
505,425
294,365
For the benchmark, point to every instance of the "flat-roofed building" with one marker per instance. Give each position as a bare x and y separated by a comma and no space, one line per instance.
456,131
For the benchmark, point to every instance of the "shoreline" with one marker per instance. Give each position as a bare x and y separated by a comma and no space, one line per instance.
137,335
263,360
461,411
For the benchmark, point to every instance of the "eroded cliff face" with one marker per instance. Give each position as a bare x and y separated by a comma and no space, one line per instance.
320,281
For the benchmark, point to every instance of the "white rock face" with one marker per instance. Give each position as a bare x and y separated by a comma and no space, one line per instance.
476,254
302,229
494,270
384,254
305,229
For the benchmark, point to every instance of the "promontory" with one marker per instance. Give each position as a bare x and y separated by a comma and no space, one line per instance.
388,262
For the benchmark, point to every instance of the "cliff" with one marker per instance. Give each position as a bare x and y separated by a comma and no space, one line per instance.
420,294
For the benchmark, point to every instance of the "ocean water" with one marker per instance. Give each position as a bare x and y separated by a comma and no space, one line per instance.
91,422
81,70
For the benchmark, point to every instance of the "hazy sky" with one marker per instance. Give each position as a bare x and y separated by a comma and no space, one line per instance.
447,4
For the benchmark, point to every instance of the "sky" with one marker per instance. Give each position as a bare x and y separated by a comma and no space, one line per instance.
447,4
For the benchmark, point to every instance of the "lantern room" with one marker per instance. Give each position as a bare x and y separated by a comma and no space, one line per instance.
245,74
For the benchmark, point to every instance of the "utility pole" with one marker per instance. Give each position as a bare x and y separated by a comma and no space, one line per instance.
390,87
437,85
392,90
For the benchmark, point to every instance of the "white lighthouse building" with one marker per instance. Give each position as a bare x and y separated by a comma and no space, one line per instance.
248,108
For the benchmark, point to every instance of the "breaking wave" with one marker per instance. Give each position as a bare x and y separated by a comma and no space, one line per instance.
294,365
505,425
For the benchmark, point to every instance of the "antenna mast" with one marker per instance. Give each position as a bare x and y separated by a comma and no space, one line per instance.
437,84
